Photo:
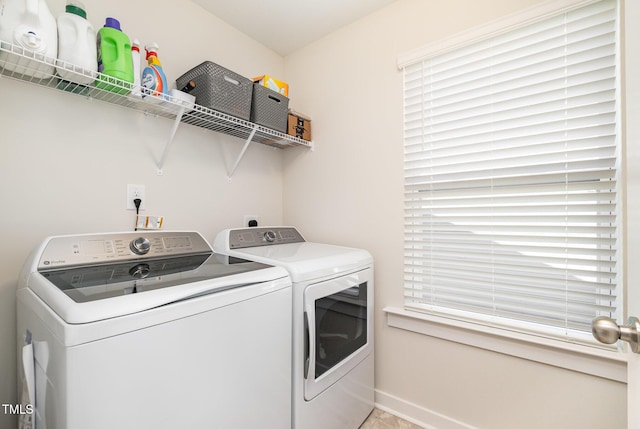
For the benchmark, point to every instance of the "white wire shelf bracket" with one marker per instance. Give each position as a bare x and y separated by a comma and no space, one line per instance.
19,64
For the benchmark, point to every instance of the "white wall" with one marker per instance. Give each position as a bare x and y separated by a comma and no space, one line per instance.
350,191
65,160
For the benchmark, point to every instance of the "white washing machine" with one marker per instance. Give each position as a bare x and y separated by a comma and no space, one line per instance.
152,330
333,373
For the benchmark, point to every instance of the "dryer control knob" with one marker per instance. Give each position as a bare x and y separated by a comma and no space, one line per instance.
270,236
140,246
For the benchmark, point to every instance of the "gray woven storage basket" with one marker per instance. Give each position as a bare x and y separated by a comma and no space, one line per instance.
269,108
219,89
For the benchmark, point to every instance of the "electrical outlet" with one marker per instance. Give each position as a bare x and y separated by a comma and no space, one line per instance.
133,192
247,218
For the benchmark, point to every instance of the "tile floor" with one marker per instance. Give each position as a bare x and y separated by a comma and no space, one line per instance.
379,419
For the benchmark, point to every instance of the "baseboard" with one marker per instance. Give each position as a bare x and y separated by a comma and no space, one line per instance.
416,414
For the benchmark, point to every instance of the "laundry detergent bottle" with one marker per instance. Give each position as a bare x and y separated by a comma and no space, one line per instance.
77,53
154,81
135,57
114,58
28,24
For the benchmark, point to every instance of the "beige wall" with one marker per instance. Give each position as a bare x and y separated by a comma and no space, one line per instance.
65,161
350,191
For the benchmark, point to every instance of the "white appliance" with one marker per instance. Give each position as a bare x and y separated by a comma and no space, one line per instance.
332,322
152,330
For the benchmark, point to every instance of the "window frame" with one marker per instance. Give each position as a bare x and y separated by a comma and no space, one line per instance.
434,324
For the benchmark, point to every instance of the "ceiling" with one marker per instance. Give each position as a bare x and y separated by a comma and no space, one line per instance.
288,25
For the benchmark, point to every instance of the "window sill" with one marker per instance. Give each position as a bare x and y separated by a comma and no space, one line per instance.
611,365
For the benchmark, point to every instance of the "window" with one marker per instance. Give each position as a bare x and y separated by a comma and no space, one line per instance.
511,176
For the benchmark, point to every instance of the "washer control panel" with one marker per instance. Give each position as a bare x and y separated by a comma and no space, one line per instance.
254,237
71,250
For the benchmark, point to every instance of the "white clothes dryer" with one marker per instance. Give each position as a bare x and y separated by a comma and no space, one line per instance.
142,330
333,360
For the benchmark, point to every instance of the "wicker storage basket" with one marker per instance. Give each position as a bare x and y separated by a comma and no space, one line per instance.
219,89
269,108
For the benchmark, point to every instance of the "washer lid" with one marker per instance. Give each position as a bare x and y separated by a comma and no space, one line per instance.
85,294
308,261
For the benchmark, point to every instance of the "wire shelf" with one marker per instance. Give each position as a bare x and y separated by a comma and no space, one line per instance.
27,66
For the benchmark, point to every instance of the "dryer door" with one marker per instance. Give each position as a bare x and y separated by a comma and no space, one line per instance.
338,329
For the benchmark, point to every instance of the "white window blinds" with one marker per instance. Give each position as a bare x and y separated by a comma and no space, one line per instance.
511,166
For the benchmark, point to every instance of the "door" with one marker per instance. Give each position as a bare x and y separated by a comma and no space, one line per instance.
631,170
631,18
338,329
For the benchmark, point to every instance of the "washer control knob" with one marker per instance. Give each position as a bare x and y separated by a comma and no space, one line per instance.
140,271
140,246
270,236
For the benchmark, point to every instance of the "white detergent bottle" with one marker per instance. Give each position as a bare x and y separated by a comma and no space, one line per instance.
135,56
77,50
28,24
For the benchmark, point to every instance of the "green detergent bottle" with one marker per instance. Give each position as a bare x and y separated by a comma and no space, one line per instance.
114,58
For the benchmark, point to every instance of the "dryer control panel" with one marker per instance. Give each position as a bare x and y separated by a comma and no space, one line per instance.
254,237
